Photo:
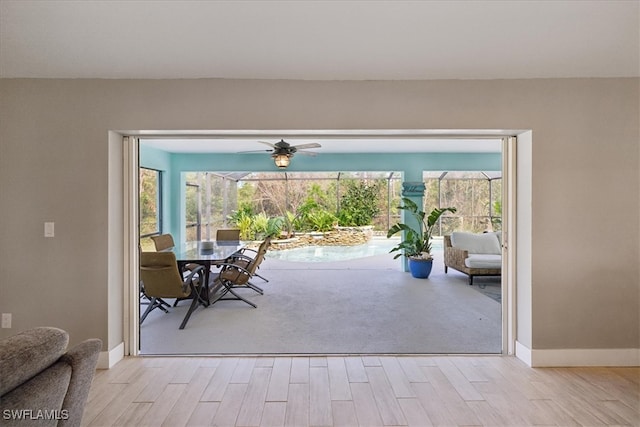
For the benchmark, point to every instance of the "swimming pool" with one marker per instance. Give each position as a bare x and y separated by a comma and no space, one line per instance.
375,246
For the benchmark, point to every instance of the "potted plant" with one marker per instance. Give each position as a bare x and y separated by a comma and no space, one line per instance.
416,242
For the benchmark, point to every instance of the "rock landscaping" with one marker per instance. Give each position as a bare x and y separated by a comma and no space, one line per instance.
341,236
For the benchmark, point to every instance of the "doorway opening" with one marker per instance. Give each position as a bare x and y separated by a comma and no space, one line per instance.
398,348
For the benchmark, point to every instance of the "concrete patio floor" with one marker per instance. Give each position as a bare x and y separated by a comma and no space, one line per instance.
364,306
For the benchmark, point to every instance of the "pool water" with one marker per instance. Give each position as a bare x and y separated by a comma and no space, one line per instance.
339,253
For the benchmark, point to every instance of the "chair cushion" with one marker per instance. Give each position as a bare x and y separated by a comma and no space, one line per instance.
485,243
483,261
45,392
24,355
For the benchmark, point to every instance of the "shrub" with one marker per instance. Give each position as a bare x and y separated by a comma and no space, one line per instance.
322,220
359,204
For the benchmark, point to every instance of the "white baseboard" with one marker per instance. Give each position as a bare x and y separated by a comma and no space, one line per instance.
523,353
578,357
107,359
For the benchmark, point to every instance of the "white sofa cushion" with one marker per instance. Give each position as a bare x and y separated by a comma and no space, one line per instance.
485,243
483,261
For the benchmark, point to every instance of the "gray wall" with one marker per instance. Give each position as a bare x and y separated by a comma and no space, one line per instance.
55,162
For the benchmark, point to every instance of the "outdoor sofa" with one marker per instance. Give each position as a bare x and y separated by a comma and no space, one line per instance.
474,254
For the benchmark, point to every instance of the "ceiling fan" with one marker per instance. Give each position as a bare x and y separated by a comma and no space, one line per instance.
282,151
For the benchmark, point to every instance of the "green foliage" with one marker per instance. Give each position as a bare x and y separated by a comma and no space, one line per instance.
322,220
244,223
416,241
274,226
358,205
303,220
246,196
260,223
149,209
244,210
289,218
496,220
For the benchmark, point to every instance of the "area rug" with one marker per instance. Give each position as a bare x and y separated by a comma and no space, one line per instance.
489,286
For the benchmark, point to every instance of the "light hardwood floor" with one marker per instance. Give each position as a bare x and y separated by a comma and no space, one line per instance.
359,391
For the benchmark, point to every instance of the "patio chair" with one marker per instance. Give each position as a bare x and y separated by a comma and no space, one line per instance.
242,259
228,234
164,242
242,254
238,273
161,278
144,298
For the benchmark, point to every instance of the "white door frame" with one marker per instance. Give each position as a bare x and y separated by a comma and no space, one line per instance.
509,214
509,183
130,251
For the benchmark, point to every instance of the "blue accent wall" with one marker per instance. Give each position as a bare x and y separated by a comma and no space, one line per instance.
153,158
411,165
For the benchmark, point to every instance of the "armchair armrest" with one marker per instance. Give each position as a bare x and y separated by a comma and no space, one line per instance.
454,257
189,280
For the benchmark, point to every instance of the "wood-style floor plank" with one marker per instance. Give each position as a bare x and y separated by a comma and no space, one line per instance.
397,378
344,413
203,414
338,379
273,414
221,378
319,397
355,370
414,413
278,390
452,400
297,414
255,398
299,370
411,370
163,405
229,408
186,404
121,402
354,391
365,405
383,393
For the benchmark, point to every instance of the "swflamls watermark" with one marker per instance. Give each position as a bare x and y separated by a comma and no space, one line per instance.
35,414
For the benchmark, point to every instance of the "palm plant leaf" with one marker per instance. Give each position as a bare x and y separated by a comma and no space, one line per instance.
416,240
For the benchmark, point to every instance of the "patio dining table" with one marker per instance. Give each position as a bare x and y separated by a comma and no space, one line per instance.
207,254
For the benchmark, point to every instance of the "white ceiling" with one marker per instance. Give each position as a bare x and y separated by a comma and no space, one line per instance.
325,40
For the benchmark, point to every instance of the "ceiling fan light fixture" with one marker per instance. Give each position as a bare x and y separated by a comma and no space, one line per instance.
282,160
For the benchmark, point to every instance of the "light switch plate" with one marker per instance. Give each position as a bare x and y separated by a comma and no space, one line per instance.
6,320
49,229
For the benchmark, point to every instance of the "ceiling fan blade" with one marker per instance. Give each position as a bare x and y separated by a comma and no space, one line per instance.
309,145
255,151
307,153
268,143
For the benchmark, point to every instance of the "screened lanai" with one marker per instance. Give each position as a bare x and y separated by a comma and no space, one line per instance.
308,307
213,197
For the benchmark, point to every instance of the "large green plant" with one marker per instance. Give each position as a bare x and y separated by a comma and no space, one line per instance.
322,220
274,226
416,242
359,204
245,223
260,223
